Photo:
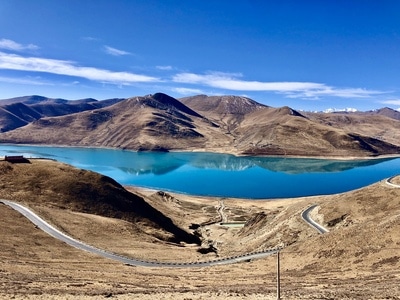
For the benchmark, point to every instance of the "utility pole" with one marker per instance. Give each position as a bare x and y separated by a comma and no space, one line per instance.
278,278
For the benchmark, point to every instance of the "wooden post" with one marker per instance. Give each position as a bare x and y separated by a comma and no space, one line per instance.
278,278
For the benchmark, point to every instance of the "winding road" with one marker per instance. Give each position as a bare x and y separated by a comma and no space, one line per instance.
306,217
49,229
388,182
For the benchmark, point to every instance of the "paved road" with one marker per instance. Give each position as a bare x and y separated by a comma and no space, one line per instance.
306,217
306,213
388,182
46,227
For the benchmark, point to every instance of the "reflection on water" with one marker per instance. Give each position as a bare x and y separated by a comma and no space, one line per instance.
298,166
220,174
162,163
141,163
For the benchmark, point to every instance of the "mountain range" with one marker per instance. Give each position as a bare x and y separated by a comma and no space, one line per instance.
226,124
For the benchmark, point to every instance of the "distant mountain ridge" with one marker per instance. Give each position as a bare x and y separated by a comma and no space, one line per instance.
387,112
30,108
229,124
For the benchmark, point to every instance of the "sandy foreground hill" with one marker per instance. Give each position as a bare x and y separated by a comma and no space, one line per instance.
358,259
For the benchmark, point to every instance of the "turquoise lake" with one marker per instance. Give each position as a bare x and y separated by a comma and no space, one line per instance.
224,175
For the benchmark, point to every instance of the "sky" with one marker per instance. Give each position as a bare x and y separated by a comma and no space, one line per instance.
307,54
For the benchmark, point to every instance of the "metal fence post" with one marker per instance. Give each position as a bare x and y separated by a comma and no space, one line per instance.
278,278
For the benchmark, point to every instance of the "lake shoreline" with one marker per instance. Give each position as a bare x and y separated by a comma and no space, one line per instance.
219,175
340,158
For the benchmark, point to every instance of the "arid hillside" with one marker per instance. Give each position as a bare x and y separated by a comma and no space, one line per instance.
227,124
55,185
358,259
154,122
263,130
382,124
227,111
20,111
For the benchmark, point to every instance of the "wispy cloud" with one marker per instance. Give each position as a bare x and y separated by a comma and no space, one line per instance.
231,82
69,68
90,38
188,91
292,89
330,91
115,51
14,46
164,68
391,102
24,81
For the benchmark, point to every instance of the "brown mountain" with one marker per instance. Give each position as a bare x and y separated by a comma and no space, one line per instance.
227,111
382,124
50,183
16,115
19,111
263,130
386,111
284,131
153,122
227,124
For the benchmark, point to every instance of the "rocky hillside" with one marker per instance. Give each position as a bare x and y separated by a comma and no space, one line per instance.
227,111
382,124
228,124
52,184
20,111
153,122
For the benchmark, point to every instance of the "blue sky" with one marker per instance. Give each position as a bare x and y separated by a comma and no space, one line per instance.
309,55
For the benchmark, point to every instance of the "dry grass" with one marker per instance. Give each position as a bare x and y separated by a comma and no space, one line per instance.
226,124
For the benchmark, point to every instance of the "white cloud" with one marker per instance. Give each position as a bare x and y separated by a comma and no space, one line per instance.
69,68
392,102
230,82
348,109
24,81
188,91
11,45
293,89
115,52
90,39
326,90
164,68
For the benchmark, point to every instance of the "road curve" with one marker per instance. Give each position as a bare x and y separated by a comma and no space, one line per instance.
306,217
49,229
388,182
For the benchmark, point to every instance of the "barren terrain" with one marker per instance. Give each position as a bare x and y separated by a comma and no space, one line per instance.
224,124
358,259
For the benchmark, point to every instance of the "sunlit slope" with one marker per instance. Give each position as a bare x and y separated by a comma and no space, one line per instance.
154,122
283,131
44,183
227,124
363,236
20,111
383,124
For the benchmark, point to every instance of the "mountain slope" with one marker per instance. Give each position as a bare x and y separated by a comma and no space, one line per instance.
153,122
31,108
59,185
283,131
227,124
227,111
383,124
387,112
16,115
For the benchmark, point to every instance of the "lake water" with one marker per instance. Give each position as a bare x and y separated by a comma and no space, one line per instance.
220,174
